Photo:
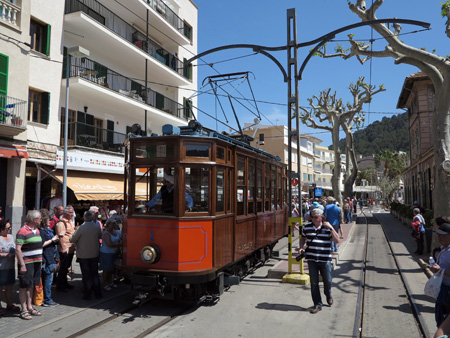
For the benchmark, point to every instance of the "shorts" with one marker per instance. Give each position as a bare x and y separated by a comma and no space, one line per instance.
7,277
32,277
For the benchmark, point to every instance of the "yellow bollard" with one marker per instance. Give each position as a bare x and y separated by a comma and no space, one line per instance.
290,277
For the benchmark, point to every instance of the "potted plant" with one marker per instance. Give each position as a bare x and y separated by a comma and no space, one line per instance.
16,120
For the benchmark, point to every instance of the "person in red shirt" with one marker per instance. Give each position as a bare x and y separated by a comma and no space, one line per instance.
58,210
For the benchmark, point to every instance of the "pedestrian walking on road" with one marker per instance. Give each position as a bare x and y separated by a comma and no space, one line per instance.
333,215
316,240
418,223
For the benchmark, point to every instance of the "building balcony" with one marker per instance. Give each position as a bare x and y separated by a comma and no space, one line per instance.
88,136
13,116
112,81
10,14
125,42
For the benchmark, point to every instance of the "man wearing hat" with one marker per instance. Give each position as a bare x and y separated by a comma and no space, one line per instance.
442,307
166,195
333,215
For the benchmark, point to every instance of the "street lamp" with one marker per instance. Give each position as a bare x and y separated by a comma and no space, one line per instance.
77,52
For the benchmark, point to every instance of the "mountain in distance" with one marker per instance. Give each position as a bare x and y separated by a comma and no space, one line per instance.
389,133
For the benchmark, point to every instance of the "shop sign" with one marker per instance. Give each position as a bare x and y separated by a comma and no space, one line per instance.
90,162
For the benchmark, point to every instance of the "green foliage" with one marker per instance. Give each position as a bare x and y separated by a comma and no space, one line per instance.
389,133
428,216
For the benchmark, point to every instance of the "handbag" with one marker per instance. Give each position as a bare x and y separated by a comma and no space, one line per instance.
433,286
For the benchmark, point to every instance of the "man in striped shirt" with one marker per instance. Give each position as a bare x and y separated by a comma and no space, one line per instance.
316,244
29,258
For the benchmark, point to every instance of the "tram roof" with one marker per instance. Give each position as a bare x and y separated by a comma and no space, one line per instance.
171,130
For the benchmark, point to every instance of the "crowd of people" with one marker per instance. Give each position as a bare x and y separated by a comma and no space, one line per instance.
44,248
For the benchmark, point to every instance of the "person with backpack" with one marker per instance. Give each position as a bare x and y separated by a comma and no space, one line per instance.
418,224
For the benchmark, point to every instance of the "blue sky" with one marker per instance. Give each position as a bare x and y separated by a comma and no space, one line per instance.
263,22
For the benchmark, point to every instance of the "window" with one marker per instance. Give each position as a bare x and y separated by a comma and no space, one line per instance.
220,190
98,132
71,129
38,106
220,154
305,176
310,177
155,151
197,150
259,186
251,186
241,187
40,37
303,160
187,31
273,187
267,187
197,187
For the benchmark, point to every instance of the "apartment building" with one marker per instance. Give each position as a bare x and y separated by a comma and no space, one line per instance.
417,96
110,64
30,53
323,164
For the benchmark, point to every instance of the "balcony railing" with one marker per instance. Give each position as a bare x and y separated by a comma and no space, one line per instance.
13,112
97,73
86,135
9,13
170,16
113,22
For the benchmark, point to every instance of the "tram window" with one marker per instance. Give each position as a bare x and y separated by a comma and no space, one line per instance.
220,153
273,188
155,151
251,186
279,187
267,187
259,187
220,190
241,188
160,185
230,175
197,150
197,187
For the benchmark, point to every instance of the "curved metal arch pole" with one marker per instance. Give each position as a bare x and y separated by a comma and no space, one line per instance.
331,35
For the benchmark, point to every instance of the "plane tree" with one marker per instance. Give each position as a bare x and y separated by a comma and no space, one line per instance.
437,68
327,112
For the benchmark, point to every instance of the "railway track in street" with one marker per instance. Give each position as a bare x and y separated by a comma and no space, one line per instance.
380,267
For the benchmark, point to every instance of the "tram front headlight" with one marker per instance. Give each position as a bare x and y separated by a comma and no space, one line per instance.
150,254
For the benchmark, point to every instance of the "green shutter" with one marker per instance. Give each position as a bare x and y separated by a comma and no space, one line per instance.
3,74
47,46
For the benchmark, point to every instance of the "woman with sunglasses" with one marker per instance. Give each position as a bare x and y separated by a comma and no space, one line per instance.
7,259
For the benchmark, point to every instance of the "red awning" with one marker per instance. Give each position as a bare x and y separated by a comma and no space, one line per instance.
9,151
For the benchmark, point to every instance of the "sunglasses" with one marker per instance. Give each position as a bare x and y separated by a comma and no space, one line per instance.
317,217
8,228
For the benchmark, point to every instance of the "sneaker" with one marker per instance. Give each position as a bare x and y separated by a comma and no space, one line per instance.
50,304
107,288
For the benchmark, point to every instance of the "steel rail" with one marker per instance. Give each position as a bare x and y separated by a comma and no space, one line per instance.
416,312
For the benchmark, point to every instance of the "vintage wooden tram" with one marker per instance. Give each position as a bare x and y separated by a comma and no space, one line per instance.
237,211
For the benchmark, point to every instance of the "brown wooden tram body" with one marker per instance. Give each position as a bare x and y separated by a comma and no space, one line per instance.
239,210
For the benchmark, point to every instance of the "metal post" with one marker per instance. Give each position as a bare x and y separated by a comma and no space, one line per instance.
66,133
292,63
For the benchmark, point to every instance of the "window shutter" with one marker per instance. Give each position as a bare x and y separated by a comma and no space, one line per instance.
47,41
3,78
45,110
110,132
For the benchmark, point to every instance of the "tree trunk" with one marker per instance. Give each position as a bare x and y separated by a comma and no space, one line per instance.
337,164
351,175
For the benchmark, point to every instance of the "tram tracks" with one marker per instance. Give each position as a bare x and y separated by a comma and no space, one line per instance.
137,321
361,311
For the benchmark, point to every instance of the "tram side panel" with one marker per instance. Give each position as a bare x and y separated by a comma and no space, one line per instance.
245,236
223,241
265,231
